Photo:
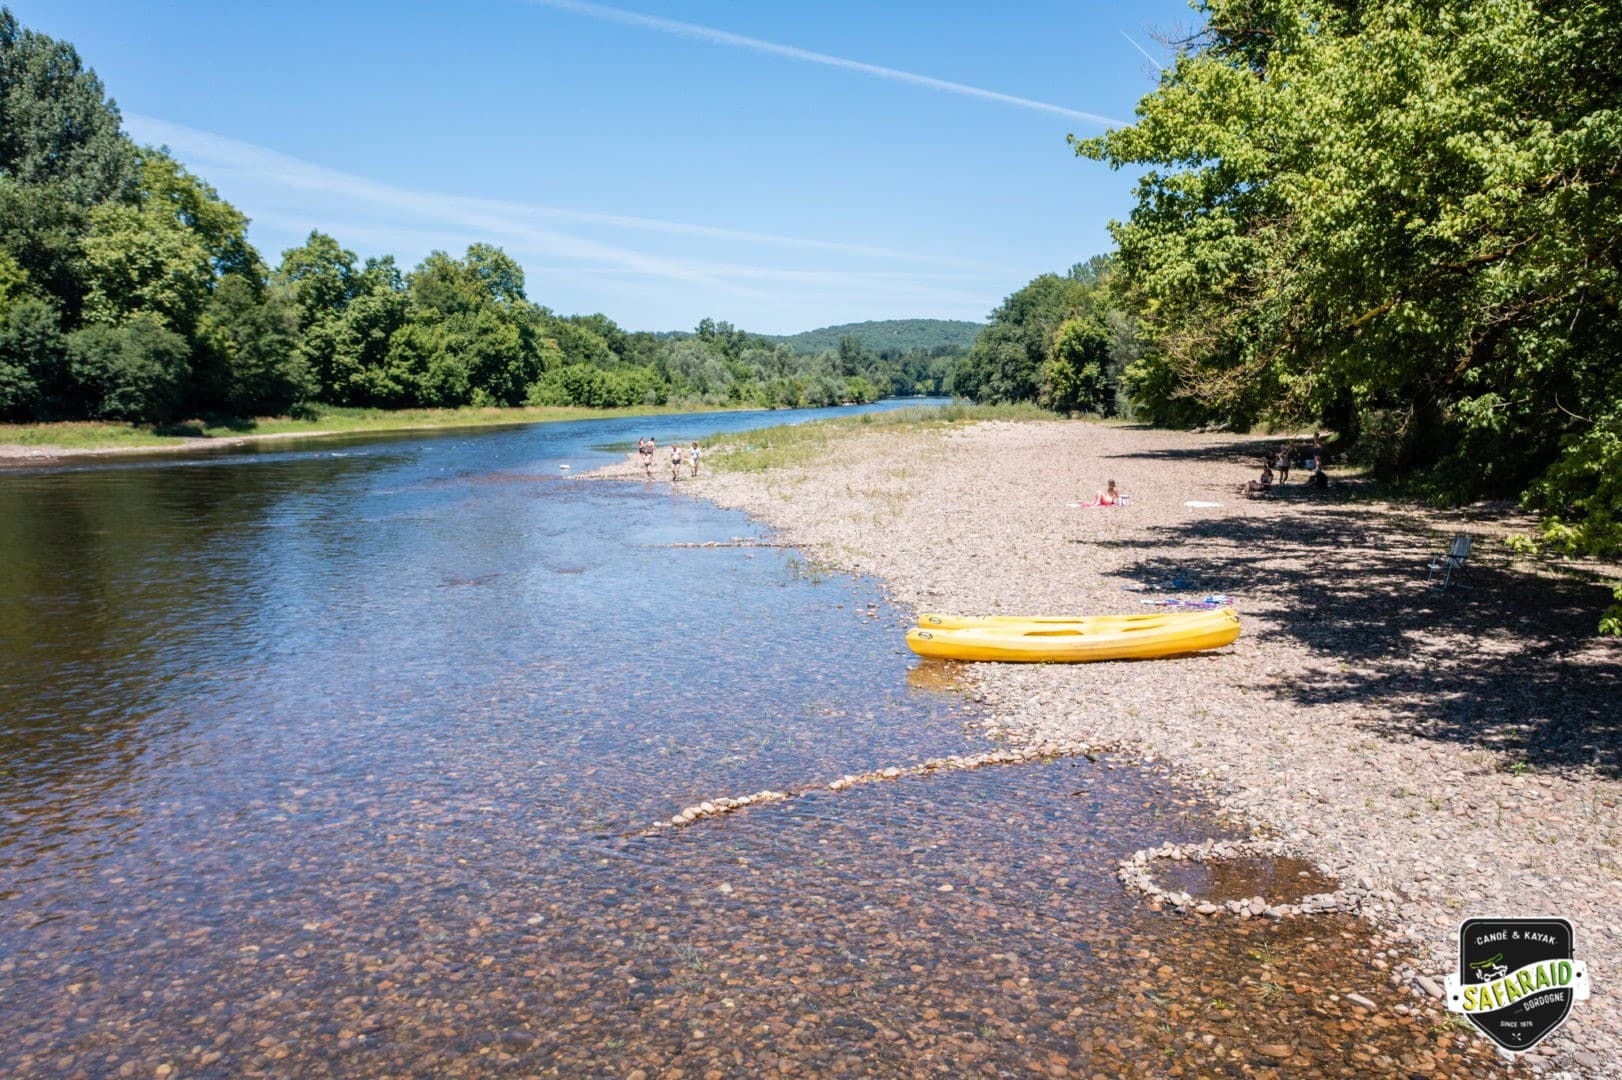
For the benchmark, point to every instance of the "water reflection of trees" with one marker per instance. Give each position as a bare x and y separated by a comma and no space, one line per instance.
127,598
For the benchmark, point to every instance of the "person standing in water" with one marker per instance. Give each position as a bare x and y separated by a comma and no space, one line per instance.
693,455
675,462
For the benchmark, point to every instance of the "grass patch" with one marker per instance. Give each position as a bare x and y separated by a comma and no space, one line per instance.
800,444
320,420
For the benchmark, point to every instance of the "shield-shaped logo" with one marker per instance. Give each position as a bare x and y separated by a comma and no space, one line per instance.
1517,979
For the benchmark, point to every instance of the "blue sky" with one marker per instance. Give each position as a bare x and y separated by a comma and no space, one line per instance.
657,160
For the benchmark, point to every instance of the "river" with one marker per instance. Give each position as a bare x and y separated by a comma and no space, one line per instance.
338,758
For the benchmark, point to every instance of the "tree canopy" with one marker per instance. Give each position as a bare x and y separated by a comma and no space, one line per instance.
1060,341
56,125
1401,219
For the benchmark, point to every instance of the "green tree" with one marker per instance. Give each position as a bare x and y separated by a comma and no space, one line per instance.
321,275
143,261
853,356
697,369
1009,359
1004,365
491,348
1400,219
42,232
348,351
169,190
500,276
57,126
133,371
403,377
579,342
1075,376
161,254
1392,217
31,357
248,362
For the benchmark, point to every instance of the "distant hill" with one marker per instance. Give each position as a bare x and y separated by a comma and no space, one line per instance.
898,334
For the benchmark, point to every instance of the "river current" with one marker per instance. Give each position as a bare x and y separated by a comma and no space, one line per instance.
336,758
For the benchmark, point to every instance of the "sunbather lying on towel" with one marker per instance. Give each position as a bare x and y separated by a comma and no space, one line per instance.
1108,497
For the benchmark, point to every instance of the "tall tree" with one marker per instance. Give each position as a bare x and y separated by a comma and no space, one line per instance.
1075,376
321,275
43,232
1009,360
345,350
1395,217
248,362
57,126
162,253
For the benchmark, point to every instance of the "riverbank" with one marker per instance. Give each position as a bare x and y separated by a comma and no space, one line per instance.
37,444
1452,753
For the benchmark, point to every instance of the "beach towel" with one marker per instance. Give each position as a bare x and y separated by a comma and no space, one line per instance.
1207,603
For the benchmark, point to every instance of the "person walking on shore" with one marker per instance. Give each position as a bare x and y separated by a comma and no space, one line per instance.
693,455
1285,456
646,447
675,462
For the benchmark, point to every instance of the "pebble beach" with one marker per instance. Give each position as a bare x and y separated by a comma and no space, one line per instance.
1439,754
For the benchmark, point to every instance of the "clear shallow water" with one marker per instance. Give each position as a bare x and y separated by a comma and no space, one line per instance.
321,759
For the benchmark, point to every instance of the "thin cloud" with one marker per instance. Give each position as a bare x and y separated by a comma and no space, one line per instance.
271,165
512,223
291,172
717,232
723,37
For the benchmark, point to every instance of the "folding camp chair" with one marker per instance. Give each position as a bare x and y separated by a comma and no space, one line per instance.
1452,563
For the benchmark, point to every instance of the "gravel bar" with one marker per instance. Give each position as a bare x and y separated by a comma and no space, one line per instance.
1444,754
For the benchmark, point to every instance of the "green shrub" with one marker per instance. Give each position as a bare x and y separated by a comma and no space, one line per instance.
134,371
31,351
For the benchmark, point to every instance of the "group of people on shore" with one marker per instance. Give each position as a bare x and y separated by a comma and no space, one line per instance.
1314,462
647,448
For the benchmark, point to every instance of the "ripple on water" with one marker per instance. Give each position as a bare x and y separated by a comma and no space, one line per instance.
955,923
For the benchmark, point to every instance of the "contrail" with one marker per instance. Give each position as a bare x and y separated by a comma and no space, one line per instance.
1144,51
723,37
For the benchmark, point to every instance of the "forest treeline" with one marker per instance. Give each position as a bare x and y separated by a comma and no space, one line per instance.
129,290
897,336
1398,221
1063,341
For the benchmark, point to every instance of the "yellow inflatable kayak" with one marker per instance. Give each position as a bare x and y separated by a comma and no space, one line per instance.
935,621
1099,637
